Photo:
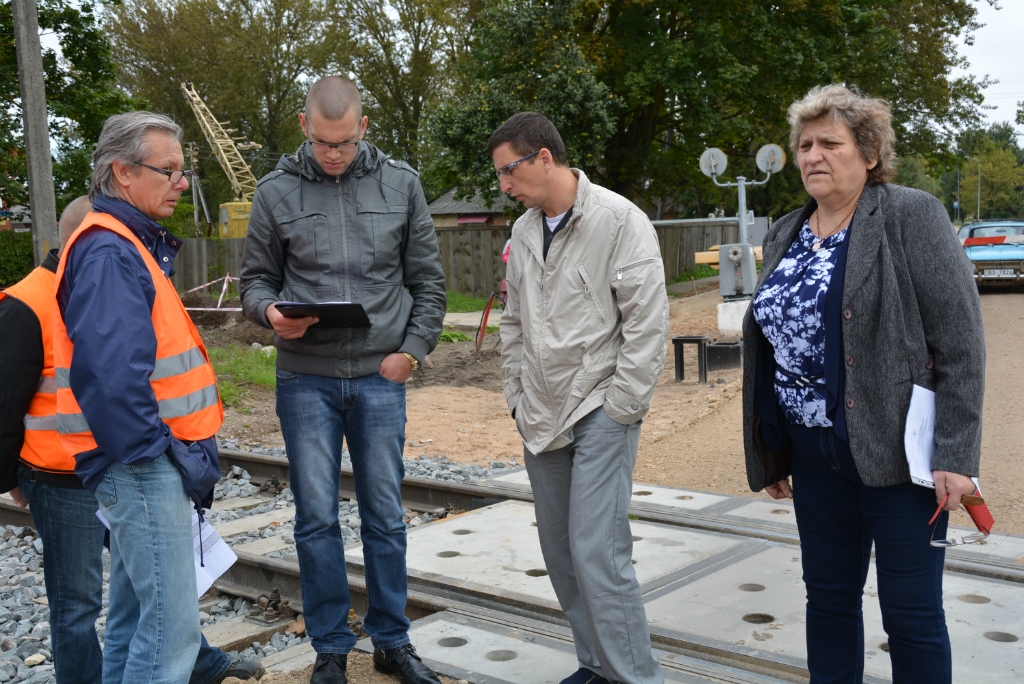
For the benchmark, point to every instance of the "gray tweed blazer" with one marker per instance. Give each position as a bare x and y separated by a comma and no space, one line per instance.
911,315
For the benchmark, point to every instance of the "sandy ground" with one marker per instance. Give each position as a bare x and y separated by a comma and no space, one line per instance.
692,437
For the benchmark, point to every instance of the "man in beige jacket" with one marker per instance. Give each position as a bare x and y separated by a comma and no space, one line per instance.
583,344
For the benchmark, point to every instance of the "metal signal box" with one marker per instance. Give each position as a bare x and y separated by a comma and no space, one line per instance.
234,219
737,271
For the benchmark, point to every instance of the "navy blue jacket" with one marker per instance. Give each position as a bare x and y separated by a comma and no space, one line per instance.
106,300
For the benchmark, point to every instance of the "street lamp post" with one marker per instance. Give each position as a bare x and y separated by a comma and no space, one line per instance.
979,185
958,195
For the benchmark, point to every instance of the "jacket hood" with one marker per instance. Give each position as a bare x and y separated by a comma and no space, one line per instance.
368,160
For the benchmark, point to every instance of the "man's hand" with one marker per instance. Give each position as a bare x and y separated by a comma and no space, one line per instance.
953,484
19,499
288,328
396,367
780,490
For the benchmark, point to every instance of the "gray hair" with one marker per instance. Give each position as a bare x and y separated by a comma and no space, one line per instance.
868,118
123,139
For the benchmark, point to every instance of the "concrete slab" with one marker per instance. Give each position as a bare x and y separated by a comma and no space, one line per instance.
771,512
254,522
262,547
291,659
493,650
237,502
754,606
998,547
495,550
655,495
237,634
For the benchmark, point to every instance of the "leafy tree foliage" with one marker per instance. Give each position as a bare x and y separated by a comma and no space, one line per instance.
80,92
660,80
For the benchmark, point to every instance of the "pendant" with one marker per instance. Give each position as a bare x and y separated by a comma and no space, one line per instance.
816,246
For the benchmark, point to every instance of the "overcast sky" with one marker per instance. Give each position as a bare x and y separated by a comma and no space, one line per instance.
997,53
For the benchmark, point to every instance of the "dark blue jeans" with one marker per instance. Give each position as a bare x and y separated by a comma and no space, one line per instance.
73,570
369,413
839,518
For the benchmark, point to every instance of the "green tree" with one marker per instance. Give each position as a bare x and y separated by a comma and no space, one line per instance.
80,92
1002,183
681,76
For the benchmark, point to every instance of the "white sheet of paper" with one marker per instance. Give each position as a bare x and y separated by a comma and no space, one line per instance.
919,438
217,555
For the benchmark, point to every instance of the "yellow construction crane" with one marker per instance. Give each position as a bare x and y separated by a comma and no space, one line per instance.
234,216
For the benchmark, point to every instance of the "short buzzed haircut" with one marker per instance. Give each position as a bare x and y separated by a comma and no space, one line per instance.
332,97
71,218
528,132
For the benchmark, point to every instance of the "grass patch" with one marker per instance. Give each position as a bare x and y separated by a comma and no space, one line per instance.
451,336
460,303
239,367
697,272
491,329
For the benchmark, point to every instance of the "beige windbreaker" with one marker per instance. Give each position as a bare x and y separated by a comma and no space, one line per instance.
588,327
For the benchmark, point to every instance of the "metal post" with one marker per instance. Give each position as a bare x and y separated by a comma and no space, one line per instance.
37,134
741,182
958,195
979,189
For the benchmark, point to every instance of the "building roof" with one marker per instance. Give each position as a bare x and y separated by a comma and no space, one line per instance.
447,204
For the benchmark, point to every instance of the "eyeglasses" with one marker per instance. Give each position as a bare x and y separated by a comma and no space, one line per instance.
341,147
175,175
972,538
507,170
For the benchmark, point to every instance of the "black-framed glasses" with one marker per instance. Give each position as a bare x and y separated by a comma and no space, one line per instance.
325,146
175,175
507,170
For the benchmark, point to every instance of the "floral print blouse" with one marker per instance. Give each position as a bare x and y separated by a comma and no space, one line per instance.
790,308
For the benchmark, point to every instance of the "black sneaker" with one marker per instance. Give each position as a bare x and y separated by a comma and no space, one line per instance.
584,676
404,662
244,671
329,668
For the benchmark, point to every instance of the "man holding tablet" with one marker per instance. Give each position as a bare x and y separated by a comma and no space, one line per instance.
338,221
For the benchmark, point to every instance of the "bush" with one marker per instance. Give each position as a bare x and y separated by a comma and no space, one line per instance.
16,258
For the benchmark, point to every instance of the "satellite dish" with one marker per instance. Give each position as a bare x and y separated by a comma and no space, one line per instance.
713,162
771,158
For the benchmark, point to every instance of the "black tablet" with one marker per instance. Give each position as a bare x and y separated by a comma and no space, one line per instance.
331,314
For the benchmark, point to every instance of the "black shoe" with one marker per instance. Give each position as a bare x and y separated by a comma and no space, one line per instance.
404,662
329,668
244,671
584,676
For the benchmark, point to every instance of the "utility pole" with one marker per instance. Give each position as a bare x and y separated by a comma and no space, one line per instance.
979,185
37,132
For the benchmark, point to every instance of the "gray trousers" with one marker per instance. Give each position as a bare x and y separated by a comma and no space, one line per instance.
581,495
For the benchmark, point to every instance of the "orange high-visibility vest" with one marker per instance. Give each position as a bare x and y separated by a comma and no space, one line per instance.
41,449
183,381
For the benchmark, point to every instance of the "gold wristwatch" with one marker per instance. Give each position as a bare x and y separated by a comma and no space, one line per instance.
412,360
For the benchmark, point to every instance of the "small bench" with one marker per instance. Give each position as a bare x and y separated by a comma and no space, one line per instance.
702,356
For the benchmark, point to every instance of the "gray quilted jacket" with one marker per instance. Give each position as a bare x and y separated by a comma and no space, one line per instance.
365,236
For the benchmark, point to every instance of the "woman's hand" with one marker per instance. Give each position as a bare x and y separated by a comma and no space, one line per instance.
780,490
953,484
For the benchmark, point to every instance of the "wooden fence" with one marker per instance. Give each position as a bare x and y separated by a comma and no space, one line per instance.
470,257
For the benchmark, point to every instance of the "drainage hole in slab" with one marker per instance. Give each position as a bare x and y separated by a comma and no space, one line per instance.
758,618
537,572
533,524
686,497
884,646
501,656
780,511
632,561
1002,637
452,642
751,587
975,598
461,532
641,493
448,554
636,538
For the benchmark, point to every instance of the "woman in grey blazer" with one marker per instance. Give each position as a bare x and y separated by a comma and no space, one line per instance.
864,293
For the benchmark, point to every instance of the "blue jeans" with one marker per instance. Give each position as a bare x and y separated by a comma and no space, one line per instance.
73,569
153,630
369,412
838,518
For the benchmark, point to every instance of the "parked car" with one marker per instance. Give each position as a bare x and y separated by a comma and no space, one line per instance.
996,248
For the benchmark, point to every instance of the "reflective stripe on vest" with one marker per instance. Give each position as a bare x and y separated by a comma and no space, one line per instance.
183,381
41,448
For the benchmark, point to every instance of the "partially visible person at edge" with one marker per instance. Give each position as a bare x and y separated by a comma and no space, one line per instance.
137,403
339,220
37,471
583,344
865,292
